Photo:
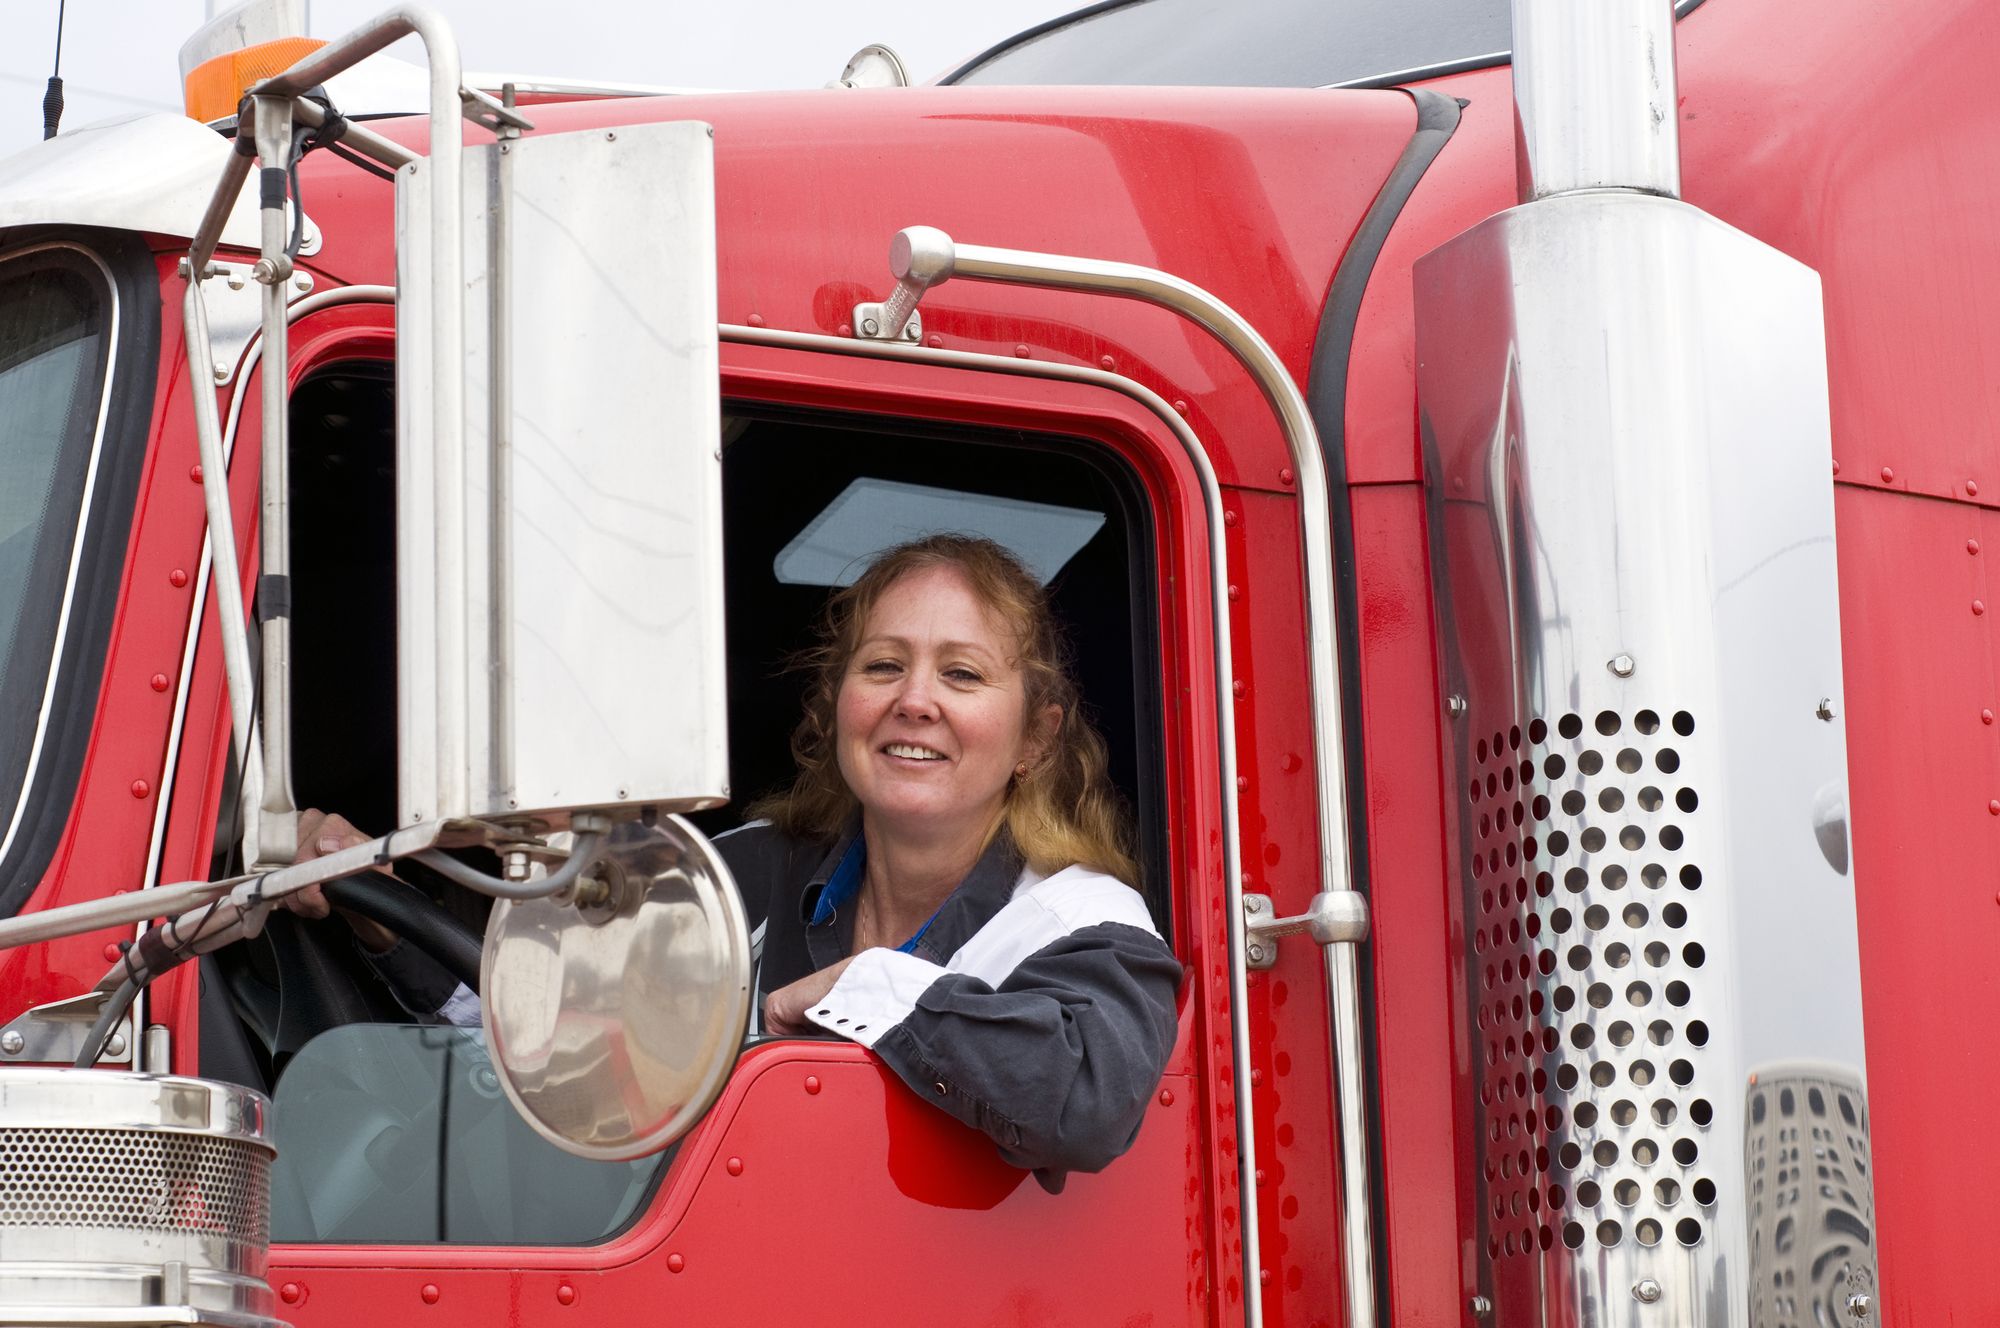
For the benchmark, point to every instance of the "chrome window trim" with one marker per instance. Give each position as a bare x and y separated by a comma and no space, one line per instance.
83,525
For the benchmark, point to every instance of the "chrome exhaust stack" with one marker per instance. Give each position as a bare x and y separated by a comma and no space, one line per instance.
1624,413
1594,92
135,1200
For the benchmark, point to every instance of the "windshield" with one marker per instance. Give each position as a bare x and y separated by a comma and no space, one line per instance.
55,345
1262,43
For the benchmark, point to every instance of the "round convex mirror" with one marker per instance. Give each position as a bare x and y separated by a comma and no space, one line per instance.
615,1010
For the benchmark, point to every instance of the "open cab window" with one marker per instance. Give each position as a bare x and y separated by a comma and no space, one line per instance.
398,1133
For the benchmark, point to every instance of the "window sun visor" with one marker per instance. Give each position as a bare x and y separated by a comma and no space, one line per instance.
871,515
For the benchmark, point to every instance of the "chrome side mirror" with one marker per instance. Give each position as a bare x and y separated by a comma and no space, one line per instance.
615,1008
559,561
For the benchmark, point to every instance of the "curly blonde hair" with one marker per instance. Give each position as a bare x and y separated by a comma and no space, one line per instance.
1063,810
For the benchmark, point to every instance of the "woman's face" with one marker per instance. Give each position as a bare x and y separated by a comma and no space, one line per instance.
930,721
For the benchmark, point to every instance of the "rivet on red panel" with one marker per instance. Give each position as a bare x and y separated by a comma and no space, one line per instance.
1235,593
735,1165
1243,781
194,472
1888,474
1972,546
755,320
1978,607
675,1263
566,1294
1972,488
934,341
1256,1077
847,329
140,788
1986,716
1239,687
292,1293
430,1293
1285,475
177,578
812,1083
112,950
159,682
1166,1097
1836,465
1107,364
1994,806
1229,518
1181,406
1021,351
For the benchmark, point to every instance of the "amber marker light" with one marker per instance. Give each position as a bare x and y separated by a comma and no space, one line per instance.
213,88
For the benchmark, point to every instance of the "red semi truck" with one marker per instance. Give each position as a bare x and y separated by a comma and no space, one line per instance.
1522,522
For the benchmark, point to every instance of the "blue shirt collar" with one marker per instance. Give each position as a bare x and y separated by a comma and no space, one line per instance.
844,887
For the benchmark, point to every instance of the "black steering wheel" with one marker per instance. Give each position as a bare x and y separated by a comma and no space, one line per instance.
411,915
266,998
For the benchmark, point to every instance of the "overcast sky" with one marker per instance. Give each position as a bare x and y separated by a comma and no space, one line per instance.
120,56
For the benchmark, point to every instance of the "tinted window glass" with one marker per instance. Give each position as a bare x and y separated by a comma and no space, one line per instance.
400,1134
54,351
1265,43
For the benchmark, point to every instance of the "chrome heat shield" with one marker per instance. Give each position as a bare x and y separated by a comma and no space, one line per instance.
1624,410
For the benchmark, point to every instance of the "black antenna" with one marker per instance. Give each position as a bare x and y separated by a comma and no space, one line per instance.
52,99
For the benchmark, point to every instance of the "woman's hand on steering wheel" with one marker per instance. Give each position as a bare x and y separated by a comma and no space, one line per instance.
321,833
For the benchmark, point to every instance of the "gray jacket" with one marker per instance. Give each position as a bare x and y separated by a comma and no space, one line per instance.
1037,1009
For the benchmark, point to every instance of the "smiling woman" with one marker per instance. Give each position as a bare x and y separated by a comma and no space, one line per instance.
944,874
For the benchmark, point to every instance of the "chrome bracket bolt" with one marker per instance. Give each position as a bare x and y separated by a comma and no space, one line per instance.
1481,1307
1647,1292
1622,665
1455,705
1825,709
514,865
12,1043
1859,1305
116,1046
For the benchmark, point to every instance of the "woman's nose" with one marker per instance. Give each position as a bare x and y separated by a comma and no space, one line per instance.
916,700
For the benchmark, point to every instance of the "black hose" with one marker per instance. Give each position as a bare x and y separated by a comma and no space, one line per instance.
114,1009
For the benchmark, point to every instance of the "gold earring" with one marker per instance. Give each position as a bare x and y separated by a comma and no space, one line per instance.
1021,770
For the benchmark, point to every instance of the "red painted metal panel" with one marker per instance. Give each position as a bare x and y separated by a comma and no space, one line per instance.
1924,773
822,1190
1251,194
1412,941
1291,1072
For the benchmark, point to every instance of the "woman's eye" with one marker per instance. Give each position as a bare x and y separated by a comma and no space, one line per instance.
882,668
963,675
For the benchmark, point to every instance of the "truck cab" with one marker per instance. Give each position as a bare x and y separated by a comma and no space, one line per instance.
1520,534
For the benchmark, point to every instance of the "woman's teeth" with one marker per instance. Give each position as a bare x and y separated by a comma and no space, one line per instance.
913,753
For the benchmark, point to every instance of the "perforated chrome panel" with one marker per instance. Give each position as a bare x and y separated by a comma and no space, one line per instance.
135,1180
1623,407
1587,887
